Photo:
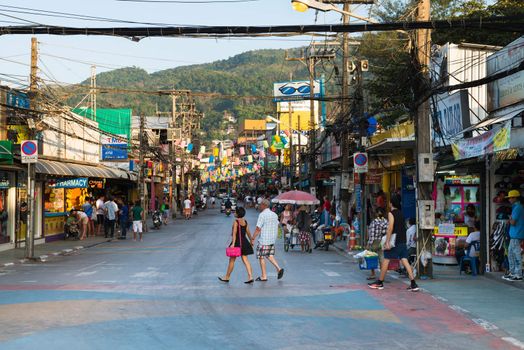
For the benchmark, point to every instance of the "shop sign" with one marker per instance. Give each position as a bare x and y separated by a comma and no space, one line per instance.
358,198
373,178
4,182
328,182
508,90
97,184
114,148
452,114
462,180
68,183
494,140
17,99
450,230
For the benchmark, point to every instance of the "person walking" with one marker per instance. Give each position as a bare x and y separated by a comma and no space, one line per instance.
111,209
516,235
87,207
123,214
377,229
303,224
397,226
240,237
267,229
187,208
100,214
137,214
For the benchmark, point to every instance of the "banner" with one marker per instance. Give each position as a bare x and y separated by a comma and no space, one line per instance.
68,183
495,140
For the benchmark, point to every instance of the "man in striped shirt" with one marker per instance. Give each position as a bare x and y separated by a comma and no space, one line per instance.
267,228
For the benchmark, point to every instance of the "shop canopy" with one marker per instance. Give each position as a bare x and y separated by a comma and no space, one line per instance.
70,169
496,118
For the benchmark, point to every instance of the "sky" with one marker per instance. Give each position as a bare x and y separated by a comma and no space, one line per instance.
68,59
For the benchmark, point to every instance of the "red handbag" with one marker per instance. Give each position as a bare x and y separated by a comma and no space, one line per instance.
235,252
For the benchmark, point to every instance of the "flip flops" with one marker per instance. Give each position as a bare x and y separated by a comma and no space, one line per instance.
280,273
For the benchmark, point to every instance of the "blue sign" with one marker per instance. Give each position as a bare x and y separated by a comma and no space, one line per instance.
80,182
358,198
114,151
408,195
295,90
17,99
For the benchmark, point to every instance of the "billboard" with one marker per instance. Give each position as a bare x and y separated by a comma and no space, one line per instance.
114,148
452,114
295,90
509,90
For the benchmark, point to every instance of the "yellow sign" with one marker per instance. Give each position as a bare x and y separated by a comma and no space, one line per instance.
461,231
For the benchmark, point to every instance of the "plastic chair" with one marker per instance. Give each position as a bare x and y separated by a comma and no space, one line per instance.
473,260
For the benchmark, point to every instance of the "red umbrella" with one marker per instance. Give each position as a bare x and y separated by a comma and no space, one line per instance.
296,197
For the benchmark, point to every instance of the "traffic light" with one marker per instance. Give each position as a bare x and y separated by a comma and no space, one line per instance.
364,65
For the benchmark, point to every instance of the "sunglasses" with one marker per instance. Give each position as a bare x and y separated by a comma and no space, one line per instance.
289,90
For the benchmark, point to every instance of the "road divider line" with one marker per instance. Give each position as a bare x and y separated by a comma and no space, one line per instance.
331,273
514,342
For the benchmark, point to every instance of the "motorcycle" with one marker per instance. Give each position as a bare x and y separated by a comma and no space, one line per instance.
324,237
157,219
228,211
203,205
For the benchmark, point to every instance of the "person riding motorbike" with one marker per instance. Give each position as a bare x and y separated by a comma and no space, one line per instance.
228,204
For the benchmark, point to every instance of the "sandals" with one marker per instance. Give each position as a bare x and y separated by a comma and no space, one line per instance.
261,280
249,282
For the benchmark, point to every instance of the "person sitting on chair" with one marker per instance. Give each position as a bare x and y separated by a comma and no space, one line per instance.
462,248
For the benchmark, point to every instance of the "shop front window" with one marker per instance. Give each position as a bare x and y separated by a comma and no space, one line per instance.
54,200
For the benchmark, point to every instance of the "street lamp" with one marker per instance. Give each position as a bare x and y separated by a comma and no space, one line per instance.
304,5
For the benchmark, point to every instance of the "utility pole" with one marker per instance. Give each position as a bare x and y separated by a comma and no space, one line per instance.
92,95
344,188
172,158
33,88
312,127
141,167
422,132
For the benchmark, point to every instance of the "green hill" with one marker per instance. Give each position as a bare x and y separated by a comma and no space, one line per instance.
248,74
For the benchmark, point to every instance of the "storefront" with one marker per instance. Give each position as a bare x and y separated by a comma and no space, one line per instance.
457,206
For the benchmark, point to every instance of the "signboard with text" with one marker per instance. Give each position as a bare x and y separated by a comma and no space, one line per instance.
114,148
29,151
68,183
360,163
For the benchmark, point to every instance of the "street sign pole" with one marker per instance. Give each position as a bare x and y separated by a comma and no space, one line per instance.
29,152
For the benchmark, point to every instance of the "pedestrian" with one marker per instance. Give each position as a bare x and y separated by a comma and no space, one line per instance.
240,237
377,229
192,199
411,236
83,220
111,211
165,210
87,207
213,202
123,214
303,224
187,208
397,226
516,235
327,204
267,229
100,214
138,217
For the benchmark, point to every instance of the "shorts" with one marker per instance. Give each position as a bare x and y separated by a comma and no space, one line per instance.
100,219
85,220
264,251
400,251
165,213
187,211
137,226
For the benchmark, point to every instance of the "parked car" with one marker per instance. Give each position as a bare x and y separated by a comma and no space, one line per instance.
223,204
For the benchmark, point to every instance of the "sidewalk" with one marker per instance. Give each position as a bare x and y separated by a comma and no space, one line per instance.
487,299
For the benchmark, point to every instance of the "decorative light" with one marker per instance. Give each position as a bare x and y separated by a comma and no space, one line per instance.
299,6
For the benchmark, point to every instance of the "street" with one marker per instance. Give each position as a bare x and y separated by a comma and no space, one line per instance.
163,293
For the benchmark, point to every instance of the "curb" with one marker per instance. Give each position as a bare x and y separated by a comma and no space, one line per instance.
45,257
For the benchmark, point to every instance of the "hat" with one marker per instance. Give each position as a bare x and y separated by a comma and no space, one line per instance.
513,194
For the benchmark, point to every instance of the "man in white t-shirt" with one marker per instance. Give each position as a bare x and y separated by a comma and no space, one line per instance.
100,214
463,246
187,208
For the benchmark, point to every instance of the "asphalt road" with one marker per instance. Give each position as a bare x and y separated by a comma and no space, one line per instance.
163,293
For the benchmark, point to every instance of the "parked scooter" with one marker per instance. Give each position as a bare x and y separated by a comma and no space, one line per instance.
323,237
157,219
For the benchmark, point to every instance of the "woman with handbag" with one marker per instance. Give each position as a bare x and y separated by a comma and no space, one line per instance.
395,246
240,246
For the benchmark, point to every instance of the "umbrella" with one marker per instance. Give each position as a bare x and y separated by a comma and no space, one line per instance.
296,197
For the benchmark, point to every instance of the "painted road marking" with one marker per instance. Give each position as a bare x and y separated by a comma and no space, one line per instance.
90,267
28,281
332,263
104,281
86,273
148,274
514,342
485,324
331,273
459,309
